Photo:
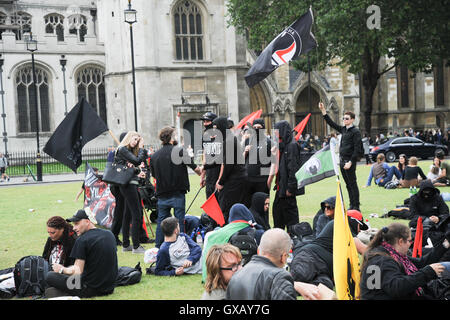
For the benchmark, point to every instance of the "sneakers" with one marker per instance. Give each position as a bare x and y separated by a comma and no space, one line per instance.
139,249
126,249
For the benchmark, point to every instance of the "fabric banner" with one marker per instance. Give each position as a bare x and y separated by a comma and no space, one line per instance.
318,167
98,198
346,267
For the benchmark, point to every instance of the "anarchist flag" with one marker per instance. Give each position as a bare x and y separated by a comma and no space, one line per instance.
295,40
81,125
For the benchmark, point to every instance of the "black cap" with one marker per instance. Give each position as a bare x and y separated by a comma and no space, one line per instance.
79,215
259,121
230,123
209,116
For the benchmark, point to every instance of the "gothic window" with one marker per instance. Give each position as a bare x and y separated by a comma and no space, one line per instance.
23,21
78,26
26,101
54,24
90,85
188,32
2,22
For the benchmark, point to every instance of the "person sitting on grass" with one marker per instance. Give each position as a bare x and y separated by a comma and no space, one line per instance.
60,242
413,174
435,171
443,180
178,254
381,172
94,272
324,215
222,261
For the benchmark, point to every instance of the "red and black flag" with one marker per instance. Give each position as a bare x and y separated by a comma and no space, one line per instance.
295,40
81,125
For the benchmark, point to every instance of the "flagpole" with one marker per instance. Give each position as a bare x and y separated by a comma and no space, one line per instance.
194,199
114,137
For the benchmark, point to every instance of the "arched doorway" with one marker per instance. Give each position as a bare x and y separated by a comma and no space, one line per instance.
316,125
258,101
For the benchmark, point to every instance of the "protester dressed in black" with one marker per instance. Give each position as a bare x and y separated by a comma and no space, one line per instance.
131,153
212,155
349,151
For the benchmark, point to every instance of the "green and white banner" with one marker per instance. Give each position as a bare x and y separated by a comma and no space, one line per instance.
318,167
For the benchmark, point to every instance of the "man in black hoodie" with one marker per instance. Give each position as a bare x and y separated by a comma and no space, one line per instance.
231,182
285,210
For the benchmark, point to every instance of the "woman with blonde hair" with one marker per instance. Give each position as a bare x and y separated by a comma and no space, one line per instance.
222,261
131,153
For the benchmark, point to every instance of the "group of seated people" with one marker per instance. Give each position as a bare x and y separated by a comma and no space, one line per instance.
407,172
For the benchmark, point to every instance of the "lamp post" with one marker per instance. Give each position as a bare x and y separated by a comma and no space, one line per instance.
32,47
130,18
63,62
2,93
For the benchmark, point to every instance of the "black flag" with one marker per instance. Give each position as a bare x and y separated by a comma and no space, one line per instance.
295,40
81,125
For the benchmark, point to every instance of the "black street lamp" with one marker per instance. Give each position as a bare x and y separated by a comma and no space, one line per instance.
63,62
2,93
32,47
130,18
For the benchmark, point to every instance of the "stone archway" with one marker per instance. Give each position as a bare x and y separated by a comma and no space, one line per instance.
258,100
316,125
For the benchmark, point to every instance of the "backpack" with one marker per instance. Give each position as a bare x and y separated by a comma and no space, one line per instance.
300,230
246,242
399,213
127,275
29,276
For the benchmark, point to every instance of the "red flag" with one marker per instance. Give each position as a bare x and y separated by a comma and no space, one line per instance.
256,115
244,120
301,126
212,209
417,249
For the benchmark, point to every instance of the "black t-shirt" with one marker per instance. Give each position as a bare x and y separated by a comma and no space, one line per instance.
97,247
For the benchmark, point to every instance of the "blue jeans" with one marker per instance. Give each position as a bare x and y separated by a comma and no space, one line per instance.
390,174
178,203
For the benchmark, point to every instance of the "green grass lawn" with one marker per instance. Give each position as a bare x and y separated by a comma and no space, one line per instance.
24,233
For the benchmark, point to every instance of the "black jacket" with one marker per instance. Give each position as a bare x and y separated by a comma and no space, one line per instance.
257,168
124,155
320,219
289,162
67,242
233,166
257,209
260,279
171,177
350,141
395,284
419,206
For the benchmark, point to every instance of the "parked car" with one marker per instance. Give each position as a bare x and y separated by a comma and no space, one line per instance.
409,146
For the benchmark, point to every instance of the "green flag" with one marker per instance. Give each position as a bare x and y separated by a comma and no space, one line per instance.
318,167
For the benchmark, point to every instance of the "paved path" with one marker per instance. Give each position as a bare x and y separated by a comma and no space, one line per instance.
50,178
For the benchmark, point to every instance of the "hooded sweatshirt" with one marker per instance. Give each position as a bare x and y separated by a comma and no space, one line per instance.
233,164
289,161
257,209
320,219
425,206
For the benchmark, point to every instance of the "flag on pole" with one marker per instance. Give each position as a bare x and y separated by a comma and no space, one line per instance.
212,209
295,40
249,118
81,125
346,268
418,239
301,126
318,167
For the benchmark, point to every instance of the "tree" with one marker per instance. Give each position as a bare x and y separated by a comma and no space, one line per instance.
415,33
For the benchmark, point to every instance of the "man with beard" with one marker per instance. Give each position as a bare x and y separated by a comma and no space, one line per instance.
285,210
211,151
231,182
169,167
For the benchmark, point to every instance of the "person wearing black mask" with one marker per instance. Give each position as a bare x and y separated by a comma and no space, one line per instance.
285,210
348,152
211,152
258,160
231,182
260,209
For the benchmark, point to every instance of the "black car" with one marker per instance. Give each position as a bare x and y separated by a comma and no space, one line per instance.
409,146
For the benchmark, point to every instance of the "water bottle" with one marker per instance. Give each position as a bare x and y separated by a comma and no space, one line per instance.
415,190
411,192
199,240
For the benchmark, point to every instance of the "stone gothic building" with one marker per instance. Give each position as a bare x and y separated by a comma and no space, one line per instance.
187,61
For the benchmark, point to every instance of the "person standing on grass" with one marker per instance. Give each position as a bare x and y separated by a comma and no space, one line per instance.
348,152
3,166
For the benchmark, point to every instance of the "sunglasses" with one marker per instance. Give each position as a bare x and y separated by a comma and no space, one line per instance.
233,267
346,118
328,208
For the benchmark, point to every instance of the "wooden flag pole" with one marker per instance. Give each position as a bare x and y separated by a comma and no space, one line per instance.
114,137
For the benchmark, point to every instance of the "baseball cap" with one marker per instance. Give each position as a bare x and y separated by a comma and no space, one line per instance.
356,216
210,116
80,215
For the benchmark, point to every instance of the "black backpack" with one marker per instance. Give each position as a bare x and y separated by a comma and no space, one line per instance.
127,275
246,242
29,276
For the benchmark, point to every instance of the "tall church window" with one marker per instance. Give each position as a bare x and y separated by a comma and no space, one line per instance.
90,85
54,24
78,26
26,102
188,31
23,21
2,22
